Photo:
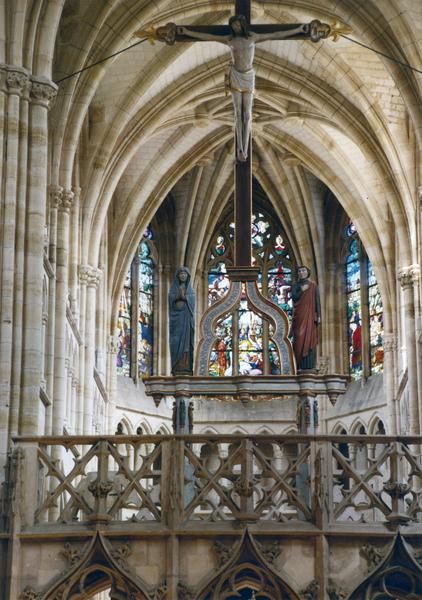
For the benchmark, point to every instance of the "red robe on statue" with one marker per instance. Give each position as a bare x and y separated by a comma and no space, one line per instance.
305,320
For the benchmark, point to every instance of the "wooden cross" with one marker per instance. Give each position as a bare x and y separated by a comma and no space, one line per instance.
171,33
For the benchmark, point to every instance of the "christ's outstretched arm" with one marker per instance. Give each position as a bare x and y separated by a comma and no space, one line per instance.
279,35
205,37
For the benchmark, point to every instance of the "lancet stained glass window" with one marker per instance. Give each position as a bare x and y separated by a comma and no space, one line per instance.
145,324
364,309
124,329
135,352
271,253
354,309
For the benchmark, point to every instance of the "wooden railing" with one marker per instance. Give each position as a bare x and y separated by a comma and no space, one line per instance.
177,481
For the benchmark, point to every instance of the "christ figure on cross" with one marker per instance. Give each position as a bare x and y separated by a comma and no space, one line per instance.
241,77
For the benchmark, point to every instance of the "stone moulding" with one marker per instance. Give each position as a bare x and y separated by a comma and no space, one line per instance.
247,387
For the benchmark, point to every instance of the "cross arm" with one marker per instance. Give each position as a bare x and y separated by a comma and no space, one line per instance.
315,31
204,34
171,33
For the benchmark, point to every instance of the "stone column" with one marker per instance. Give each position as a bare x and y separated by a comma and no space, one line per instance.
20,237
94,276
60,374
68,397
83,272
74,252
111,380
390,348
406,277
44,340
55,197
14,87
75,385
42,92
163,347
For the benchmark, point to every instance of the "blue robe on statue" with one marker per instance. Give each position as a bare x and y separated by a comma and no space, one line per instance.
182,324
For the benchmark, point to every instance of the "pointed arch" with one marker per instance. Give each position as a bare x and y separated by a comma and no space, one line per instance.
97,570
247,567
399,576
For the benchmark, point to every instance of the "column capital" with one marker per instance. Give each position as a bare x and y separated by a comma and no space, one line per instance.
43,91
407,276
83,272
17,80
95,277
55,192
67,198
89,275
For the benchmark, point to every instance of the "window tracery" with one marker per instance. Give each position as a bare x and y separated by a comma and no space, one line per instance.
270,252
244,342
364,309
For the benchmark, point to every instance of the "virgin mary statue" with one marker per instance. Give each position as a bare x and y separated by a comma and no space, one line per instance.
182,323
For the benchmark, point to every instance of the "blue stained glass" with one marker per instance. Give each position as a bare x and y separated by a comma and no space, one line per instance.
352,276
372,280
353,249
373,300
145,325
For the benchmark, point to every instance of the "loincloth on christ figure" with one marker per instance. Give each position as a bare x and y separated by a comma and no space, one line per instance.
237,81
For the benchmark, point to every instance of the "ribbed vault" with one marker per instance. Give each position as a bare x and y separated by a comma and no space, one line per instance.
155,121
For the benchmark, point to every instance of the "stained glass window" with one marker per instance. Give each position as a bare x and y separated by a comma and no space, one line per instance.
239,348
375,322
136,314
124,329
364,309
270,252
145,326
250,332
354,309
221,360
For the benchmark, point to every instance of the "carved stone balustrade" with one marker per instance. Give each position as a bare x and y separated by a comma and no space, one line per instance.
292,517
292,482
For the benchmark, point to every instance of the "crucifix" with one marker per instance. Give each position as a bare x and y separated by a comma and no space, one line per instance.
241,37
